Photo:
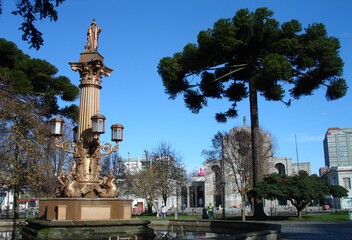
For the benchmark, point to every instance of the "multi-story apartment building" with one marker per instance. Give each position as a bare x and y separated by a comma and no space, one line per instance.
338,147
338,160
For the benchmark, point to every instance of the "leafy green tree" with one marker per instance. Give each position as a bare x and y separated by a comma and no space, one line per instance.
253,53
31,11
338,191
32,79
300,189
29,92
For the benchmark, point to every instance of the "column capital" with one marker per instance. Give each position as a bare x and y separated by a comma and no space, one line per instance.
91,71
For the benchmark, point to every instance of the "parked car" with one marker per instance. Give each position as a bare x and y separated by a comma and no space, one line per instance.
326,207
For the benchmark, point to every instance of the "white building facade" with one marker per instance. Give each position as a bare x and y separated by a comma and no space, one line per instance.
339,176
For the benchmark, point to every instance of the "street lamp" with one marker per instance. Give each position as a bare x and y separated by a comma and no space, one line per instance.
57,126
117,133
98,123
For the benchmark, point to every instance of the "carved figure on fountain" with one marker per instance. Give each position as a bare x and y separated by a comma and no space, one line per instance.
72,190
108,187
63,180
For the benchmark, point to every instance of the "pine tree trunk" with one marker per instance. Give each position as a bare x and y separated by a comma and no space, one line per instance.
257,165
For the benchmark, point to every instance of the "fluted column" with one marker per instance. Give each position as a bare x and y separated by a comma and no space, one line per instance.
89,105
91,68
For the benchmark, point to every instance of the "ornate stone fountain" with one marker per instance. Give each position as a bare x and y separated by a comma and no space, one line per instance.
87,201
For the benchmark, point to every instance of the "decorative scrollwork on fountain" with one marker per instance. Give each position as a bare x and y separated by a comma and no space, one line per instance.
107,148
86,168
66,145
79,151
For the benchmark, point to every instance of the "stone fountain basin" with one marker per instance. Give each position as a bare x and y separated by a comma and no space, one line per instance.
235,229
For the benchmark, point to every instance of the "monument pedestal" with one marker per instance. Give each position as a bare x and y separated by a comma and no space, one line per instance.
87,209
84,218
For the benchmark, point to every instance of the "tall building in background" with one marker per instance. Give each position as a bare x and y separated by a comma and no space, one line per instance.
338,147
338,162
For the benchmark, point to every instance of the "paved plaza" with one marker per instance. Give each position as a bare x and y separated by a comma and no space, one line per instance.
316,230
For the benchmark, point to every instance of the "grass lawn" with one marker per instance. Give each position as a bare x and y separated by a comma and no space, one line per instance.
326,217
305,217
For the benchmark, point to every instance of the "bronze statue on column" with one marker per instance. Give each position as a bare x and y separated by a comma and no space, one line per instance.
92,38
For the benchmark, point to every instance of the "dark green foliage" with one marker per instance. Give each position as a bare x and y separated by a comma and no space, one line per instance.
36,79
70,112
299,189
338,191
31,11
253,46
194,101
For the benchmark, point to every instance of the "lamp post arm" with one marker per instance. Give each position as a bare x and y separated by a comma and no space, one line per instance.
106,148
66,145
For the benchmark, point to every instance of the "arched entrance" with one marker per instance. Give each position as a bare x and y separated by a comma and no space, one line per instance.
280,168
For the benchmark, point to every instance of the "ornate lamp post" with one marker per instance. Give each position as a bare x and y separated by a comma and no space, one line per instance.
84,179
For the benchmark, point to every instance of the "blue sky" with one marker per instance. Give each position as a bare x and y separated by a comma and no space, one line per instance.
136,34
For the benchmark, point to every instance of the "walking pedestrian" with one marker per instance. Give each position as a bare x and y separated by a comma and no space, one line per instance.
163,211
210,211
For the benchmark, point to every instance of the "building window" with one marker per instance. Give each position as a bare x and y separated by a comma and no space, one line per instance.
343,148
347,183
342,138
332,149
334,181
334,154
